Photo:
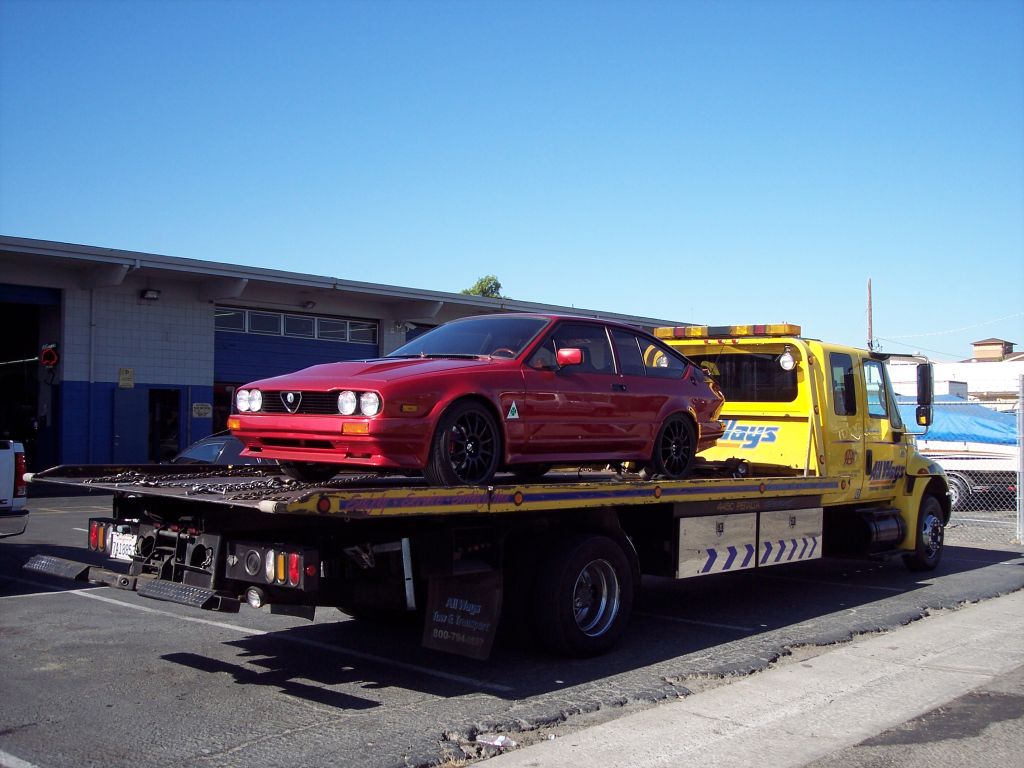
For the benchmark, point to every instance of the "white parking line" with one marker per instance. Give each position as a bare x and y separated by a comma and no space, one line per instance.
698,623
384,661
83,530
848,585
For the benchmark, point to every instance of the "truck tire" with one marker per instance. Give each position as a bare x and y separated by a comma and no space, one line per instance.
584,596
959,491
928,551
465,448
309,471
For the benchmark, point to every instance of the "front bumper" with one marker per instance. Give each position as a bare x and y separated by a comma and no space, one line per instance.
388,442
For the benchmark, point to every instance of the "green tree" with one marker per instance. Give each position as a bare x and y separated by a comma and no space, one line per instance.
488,286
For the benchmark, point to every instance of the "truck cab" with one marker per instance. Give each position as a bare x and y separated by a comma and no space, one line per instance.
808,407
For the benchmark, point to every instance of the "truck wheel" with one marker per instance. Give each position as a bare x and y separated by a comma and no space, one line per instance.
309,471
465,448
674,449
928,551
958,492
584,596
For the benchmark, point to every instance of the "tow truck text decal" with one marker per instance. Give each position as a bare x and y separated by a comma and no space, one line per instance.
747,436
886,473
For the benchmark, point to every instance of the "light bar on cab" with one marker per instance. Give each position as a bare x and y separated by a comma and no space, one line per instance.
726,331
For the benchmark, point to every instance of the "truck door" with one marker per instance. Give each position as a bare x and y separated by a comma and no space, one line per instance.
885,459
846,422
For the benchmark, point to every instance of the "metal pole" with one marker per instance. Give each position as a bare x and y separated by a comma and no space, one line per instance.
1020,460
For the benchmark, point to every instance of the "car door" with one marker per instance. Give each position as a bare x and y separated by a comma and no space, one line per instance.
640,392
568,412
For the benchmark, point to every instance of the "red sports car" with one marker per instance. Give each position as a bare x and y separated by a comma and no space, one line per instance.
513,392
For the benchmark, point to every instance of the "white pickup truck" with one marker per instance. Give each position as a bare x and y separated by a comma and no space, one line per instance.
13,514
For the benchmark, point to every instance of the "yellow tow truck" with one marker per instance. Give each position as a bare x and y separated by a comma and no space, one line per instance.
815,462
807,407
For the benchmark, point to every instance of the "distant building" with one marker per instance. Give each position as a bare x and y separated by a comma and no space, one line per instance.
992,376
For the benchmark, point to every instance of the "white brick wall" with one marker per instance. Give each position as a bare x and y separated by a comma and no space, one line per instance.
168,341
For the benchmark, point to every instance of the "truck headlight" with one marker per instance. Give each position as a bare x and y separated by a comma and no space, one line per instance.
347,403
369,403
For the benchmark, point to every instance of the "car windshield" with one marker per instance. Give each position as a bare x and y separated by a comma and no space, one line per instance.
502,336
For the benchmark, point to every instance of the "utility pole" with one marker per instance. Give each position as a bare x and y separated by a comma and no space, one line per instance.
871,329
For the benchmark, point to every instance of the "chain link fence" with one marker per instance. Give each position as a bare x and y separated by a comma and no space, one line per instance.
985,487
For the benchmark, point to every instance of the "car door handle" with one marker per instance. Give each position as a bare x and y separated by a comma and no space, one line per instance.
618,387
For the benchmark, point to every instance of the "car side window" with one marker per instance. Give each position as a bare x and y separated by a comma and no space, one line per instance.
591,340
205,453
627,348
661,363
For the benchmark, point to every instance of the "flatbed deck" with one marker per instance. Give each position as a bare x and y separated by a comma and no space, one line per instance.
368,496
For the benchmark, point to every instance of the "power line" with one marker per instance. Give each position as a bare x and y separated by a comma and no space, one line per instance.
958,330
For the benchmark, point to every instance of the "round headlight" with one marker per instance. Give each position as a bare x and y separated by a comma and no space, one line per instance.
255,400
242,400
369,403
347,403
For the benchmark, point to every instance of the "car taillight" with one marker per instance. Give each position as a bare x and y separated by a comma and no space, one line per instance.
20,486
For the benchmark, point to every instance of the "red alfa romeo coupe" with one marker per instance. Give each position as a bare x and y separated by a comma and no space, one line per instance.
512,392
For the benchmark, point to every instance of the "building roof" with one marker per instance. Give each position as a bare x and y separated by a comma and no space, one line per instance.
222,282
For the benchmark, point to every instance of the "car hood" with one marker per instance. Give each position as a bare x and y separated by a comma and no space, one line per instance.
373,373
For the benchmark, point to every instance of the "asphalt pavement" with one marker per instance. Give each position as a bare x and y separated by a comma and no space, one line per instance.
947,690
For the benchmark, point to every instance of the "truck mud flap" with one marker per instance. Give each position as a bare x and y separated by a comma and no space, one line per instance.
185,594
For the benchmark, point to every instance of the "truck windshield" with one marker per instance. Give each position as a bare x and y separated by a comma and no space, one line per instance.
750,378
503,336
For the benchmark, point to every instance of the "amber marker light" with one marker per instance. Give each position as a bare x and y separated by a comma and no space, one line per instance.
234,422
355,428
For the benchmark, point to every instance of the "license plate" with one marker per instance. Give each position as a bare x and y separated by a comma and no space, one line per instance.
122,546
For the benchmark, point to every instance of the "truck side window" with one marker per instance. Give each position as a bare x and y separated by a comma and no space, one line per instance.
844,394
874,382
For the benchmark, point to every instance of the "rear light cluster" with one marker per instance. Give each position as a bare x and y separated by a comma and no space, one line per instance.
275,566
20,486
99,533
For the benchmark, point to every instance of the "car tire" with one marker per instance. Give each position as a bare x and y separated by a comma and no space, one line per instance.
675,449
309,471
583,596
930,533
529,473
465,448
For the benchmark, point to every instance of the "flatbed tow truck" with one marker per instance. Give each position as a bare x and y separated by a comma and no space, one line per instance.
815,463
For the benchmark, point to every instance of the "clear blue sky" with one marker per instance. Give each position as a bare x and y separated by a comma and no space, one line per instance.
704,162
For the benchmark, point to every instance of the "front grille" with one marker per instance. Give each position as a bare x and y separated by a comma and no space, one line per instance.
311,402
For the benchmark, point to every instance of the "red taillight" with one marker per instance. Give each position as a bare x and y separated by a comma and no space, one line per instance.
94,535
20,486
294,569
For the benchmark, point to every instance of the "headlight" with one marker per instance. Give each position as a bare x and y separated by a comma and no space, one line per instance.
255,400
347,403
369,403
242,400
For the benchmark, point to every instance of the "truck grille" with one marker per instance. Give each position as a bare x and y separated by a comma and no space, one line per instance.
309,402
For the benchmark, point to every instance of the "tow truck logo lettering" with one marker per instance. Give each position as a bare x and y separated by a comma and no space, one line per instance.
887,473
747,436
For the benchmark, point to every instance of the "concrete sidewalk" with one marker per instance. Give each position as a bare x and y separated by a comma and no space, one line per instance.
800,712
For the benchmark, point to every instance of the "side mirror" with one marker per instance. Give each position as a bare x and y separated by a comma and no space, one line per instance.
569,356
925,394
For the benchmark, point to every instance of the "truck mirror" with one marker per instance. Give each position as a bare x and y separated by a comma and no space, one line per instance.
924,416
924,388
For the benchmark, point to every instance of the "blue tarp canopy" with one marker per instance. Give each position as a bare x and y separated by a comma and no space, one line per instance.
958,420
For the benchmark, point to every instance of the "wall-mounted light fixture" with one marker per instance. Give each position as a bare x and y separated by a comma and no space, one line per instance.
149,294
308,304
